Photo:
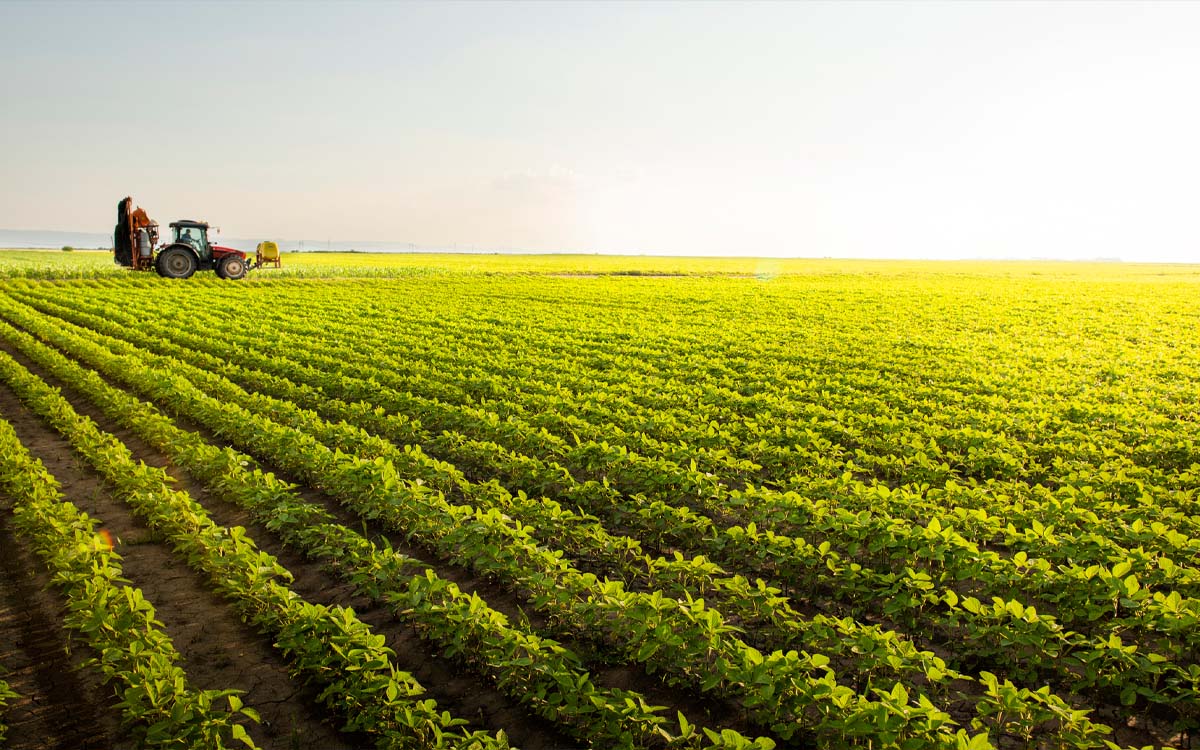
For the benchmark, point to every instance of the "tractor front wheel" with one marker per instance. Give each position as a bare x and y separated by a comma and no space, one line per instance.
175,263
232,267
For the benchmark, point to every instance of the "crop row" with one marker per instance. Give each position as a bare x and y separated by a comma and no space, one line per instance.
864,639
132,651
808,397
1000,629
1072,509
329,646
689,643
6,696
537,671
756,605
1083,594
841,411
829,370
996,626
972,418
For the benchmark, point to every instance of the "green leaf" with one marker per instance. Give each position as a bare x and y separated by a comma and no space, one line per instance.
1131,585
685,729
980,742
239,733
1128,695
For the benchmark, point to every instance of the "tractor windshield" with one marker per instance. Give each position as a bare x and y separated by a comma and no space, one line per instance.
192,235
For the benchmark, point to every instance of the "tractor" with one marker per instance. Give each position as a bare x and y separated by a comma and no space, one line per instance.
189,250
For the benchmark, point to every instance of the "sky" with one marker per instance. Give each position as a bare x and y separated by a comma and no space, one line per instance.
847,129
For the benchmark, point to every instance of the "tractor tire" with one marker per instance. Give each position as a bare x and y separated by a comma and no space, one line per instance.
175,263
231,267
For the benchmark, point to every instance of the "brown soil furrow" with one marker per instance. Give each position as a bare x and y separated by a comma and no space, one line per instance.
61,704
700,709
218,650
455,690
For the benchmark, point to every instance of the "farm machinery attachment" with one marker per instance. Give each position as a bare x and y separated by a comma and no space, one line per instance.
136,246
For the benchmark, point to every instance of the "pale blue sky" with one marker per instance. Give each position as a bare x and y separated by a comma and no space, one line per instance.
889,129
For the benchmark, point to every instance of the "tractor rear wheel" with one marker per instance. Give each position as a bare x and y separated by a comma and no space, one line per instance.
231,267
175,263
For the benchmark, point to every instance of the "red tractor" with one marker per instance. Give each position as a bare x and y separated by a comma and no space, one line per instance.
135,237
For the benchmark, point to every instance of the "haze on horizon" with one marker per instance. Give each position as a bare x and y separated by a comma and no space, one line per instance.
856,129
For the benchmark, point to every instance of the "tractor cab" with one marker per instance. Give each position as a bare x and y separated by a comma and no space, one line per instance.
190,251
194,234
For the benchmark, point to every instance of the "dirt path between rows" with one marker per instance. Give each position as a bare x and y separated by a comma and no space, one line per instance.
218,650
60,704
455,690
447,682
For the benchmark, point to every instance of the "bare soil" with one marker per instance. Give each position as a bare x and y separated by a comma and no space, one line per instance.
60,705
199,610
218,650
459,691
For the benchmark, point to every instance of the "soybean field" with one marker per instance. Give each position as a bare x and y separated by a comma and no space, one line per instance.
491,501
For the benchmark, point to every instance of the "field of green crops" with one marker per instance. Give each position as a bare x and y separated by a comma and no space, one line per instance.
424,501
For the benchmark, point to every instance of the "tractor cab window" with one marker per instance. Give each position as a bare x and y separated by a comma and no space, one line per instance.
191,235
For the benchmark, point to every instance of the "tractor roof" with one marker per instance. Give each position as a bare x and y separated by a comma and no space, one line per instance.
189,223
